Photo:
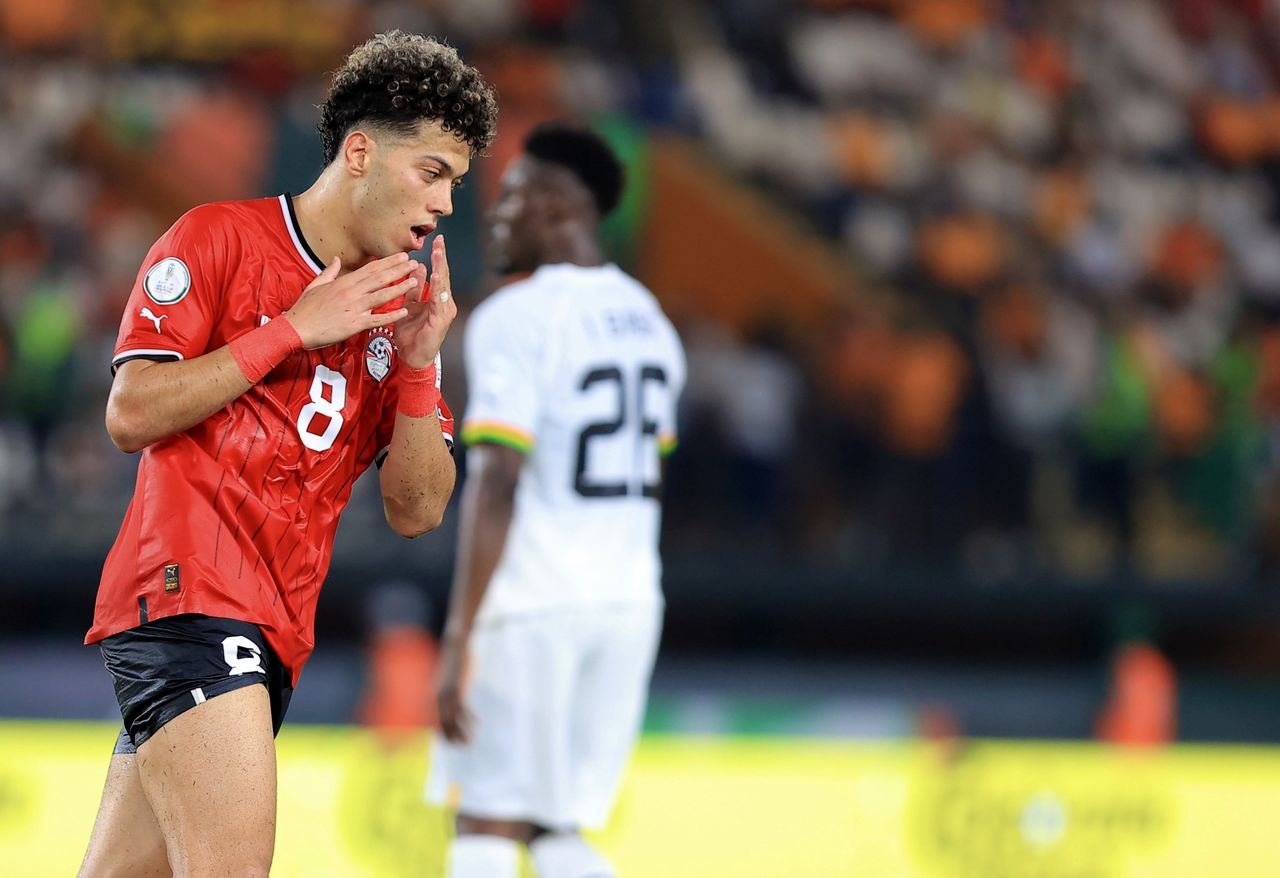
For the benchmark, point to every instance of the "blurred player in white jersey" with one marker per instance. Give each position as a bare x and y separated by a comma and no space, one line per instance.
573,375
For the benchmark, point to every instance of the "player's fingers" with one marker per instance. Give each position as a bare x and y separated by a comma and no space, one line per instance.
330,272
443,307
382,295
386,262
381,272
384,279
450,709
418,292
458,728
376,320
440,295
440,281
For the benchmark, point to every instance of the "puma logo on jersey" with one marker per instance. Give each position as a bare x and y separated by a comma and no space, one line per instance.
147,313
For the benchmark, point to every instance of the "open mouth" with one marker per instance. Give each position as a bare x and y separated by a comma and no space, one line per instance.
420,235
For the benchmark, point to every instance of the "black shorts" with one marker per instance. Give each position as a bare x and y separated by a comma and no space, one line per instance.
166,667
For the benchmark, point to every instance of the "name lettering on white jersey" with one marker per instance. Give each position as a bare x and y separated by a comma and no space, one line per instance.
625,322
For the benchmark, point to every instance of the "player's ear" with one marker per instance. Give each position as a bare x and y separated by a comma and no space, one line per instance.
560,204
357,151
574,202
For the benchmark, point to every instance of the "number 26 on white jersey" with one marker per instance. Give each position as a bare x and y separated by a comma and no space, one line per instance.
626,420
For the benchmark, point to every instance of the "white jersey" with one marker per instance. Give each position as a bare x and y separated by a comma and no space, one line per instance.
579,369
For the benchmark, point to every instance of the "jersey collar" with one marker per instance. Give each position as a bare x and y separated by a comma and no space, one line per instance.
295,232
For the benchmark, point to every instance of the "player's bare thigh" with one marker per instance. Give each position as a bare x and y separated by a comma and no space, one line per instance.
210,776
126,840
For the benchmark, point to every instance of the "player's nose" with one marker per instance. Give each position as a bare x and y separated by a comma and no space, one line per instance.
442,205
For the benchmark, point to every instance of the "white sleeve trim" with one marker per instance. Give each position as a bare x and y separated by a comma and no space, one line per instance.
143,352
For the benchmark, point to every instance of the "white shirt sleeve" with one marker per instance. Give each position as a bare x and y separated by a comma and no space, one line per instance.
502,352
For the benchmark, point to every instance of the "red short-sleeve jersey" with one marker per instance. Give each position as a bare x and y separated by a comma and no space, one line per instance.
235,517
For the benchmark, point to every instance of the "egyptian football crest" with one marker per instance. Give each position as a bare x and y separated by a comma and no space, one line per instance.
377,356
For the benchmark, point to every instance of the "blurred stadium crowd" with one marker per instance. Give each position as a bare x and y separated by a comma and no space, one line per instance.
1065,214
1060,351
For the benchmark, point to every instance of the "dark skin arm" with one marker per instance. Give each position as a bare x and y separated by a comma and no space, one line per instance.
488,501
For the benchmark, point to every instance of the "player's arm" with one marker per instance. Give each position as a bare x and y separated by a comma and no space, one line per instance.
418,474
488,501
150,400
505,359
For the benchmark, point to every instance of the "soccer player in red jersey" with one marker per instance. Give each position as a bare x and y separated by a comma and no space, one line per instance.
270,351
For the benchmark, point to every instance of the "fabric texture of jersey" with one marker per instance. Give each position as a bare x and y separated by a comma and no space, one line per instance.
579,368
235,517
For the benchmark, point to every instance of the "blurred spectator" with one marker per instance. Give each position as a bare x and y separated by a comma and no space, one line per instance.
759,406
399,700
1142,708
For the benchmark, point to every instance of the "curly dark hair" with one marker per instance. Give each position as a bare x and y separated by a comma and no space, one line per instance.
586,154
395,80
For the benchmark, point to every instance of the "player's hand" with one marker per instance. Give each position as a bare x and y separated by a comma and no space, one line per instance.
455,719
430,313
332,308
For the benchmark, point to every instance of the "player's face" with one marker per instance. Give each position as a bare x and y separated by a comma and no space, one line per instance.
517,220
407,187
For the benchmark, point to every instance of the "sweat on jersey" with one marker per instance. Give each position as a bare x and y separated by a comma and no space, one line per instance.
235,517
578,368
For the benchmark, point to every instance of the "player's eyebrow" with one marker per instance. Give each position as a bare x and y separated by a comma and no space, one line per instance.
440,160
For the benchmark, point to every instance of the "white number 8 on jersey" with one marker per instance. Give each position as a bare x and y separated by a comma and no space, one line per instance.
331,408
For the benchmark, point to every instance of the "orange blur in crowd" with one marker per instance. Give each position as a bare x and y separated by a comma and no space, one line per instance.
1142,710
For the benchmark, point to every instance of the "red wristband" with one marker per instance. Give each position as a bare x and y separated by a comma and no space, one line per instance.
259,351
419,395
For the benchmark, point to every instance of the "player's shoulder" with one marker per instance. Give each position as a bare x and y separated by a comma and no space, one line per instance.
517,301
226,219
229,213
558,290
632,289
627,285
